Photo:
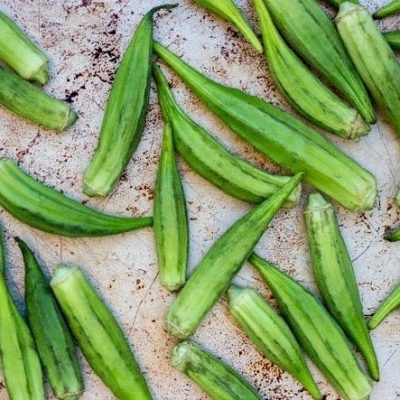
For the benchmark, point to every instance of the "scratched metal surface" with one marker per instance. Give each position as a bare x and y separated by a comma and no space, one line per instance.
84,40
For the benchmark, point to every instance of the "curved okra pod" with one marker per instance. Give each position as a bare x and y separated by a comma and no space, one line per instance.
270,333
393,38
20,53
221,263
317,332
281,137
39,206
170,219
211,160
389,304
228,10
99,336
51,334
125,113
391,8
334,275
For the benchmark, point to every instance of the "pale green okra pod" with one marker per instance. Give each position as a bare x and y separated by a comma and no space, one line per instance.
391,8
388,305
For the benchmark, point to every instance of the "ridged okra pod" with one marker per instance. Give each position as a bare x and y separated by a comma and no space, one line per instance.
170,218
391,8
219,266
99,336
270,333
388,305
213,376
228,10
373,58
318,333
302,89
39,206
393,38
51,334
334,275
282,138
20,53
125,113
33,104
210,159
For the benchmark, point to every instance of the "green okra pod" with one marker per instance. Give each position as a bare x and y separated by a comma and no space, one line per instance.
170,218
210,159
281,137
125,113
337,3
373,58
388,305
20,53
213,376
393,38
391,8
221,263
39,206
318,333
51,334
334,275
228,10
270,333
99,336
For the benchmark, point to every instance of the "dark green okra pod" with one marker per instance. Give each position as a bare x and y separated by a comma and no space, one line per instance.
391,8
393,38
388,305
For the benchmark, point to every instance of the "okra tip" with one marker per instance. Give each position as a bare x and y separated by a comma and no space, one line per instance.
42,75
359,127
162,7
316,203
234,293
72,117
347,8
180,355
62,273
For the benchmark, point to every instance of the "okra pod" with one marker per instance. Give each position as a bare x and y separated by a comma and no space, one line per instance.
270,333
392,8
39,206
393,38
100,337
337,3
334,275
281,137
170,219
213,376
51,334
373,58
33,104
125,113
228,10
318,333
20,53
221,263
389,305
209,158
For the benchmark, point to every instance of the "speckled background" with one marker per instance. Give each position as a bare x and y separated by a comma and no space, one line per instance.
84,40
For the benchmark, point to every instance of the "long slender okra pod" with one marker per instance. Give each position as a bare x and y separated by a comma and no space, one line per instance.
268,330
20,53
373,58
388,305
100,337
213,376
302,89
393,38
211,160
317,332
170,218
125,113
39,206
228,10
51,334
281,137
334,275
221,263
392,8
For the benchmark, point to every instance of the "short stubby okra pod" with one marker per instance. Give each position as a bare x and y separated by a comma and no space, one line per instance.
302,89
213,376
391,8
270,333
393,38
314,37
389,305
33,104
318,333
39,206
210,159
373,58
52,337
170,218
228,10
334,275
125,113
281,137
20,53
99,336
222,262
